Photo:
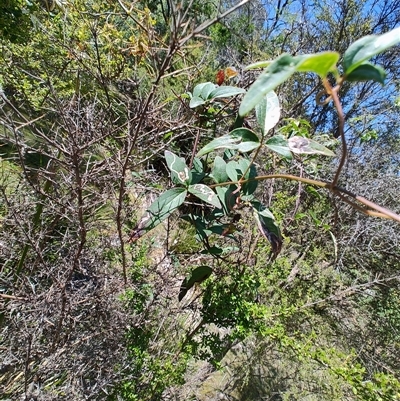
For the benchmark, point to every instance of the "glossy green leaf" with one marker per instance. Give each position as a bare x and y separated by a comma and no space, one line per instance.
225,91
206,194
164,206
367,47
320,63
218,172
268,227
248,188
268,112
180,173
245,134
279,144
367,72
241,139
246,147
198,275
222,142
301,145
276,73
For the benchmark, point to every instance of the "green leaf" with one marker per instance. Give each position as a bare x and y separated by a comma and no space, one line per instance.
197,171
268,112
259,64
320,63
268,227
228,197
249,187
164,206
218,172
233,170
222,142
245,134
202,90
198,275
367,72
207,89
367,47
180,173
279,145
225,91
236,170
276,73
196,101
301,145
241,139
213,250
206,194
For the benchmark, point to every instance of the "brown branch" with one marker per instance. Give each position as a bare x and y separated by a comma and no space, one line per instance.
379,210
333,92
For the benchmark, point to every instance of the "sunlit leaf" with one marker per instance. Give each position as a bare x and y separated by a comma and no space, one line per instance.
207,89
367,47
268,112
218,172
259,64
241,139
279,144
202,89
226,141
233,170
320,63
198,275
245,134
276,73
158,211
225,91
164,205
301,145
206,194
180,173
196,101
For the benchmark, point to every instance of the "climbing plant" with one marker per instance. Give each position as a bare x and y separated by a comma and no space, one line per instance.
222,175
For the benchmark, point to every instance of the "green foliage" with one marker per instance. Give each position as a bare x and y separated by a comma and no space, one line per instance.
15,20
207,92
90,101
198,275
241,141
149,376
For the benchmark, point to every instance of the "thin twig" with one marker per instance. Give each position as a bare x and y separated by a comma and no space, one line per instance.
338,105
380,211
